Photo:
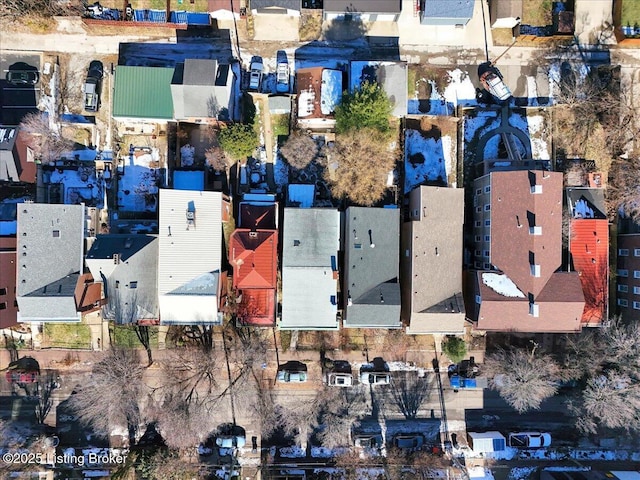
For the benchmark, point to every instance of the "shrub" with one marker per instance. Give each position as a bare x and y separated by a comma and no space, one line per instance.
455,348
367,107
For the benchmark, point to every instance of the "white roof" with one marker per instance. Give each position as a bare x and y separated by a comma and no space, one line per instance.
190,255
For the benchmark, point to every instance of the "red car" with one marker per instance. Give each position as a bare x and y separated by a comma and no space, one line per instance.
21,377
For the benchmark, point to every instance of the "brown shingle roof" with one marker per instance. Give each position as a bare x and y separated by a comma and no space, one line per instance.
560,304
514,209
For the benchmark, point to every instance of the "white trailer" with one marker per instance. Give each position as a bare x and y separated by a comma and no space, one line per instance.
484,442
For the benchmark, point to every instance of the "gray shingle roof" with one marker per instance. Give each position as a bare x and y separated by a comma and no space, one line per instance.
138,262
372,241
202,88
50,248
311,240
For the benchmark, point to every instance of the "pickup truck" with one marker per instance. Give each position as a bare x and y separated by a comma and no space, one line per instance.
282,72
92,86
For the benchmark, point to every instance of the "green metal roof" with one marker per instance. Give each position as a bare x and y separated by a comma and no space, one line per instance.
143,92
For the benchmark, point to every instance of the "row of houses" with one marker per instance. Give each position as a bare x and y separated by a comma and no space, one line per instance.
361,268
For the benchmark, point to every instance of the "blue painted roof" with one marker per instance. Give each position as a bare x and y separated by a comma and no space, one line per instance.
448,8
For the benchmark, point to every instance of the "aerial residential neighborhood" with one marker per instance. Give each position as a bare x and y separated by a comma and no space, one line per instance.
318,239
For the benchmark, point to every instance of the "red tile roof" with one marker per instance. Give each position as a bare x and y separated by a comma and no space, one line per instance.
590,254
253,255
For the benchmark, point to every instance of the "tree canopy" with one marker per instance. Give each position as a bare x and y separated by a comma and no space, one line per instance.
366,108
238,141
359,165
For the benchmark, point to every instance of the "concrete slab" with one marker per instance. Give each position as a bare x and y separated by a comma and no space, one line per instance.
594,22
274,27
471,36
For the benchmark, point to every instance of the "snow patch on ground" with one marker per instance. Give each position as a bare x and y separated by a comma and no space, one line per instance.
433,168
501,284
460,89
521,473
292,452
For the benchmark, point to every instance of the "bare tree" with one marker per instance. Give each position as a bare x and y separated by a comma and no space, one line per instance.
47,144
338,407
169,466
359,165
45,387
217,159
192,372
113,395
300,150
523,378
610,401
622,190
409,392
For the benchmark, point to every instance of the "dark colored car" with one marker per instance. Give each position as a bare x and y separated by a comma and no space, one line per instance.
92,86
22,74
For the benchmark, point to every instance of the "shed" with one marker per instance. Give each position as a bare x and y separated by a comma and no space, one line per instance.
279,104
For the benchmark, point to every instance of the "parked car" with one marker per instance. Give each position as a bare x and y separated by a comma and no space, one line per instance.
339,379
255,74
92,86
282,72
408,443
22,73
492,82
529,439
292,372
375,378
231,441
367,440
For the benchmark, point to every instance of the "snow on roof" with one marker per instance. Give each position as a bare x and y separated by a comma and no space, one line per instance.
582,209
501,284
479,472
331,91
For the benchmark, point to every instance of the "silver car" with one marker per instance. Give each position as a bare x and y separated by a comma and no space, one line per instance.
375,378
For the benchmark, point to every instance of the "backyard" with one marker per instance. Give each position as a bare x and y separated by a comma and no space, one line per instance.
66,335
125,336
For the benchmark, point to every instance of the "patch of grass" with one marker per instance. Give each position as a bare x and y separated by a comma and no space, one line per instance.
125,336
411,81
630,13
280,125
67,335
536,12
